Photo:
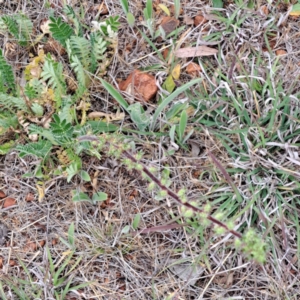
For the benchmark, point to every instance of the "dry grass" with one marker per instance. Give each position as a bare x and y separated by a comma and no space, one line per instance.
261,157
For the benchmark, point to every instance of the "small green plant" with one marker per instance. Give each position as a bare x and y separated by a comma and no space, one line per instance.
129,16
19,26
248,243
60,275
70,243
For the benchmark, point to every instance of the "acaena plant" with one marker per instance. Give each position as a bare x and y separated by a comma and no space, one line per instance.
250,243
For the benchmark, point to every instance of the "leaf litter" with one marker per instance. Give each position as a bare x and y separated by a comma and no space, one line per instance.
109,255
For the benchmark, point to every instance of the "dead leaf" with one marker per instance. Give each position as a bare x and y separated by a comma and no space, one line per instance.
193,69
199,20
54,47
169,24
41,191
12,262
54,242
176,72
102,8
109,117
42,243
264,10
187,271
9,202
29,197
45,27
229,281
195,51
2,194
172,10
32,246
187,20
280,52
160,228
165,53
140,85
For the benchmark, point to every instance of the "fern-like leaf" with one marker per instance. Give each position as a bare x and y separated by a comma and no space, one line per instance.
69,11
60,30
81,75
7,120
43,132
62,131
20,27
11,103
11,25
33,89
25,27
80,47
7,74
99,47
37,109
53,73
67,113
39,149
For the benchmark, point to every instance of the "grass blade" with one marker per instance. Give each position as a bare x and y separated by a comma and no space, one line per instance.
114,93
170,98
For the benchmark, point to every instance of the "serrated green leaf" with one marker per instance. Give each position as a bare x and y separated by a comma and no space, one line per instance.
37,109
39,149
60,30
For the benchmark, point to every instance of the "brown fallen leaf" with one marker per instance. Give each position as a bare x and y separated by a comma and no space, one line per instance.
172,10
188,20
29,197
169,24
54,47
54,242
165,53
2,195
195,51
32,246
12,262
9,202
264,10
140,85
199,20
193,69
280,52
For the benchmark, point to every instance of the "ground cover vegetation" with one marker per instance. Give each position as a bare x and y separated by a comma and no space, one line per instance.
149,150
